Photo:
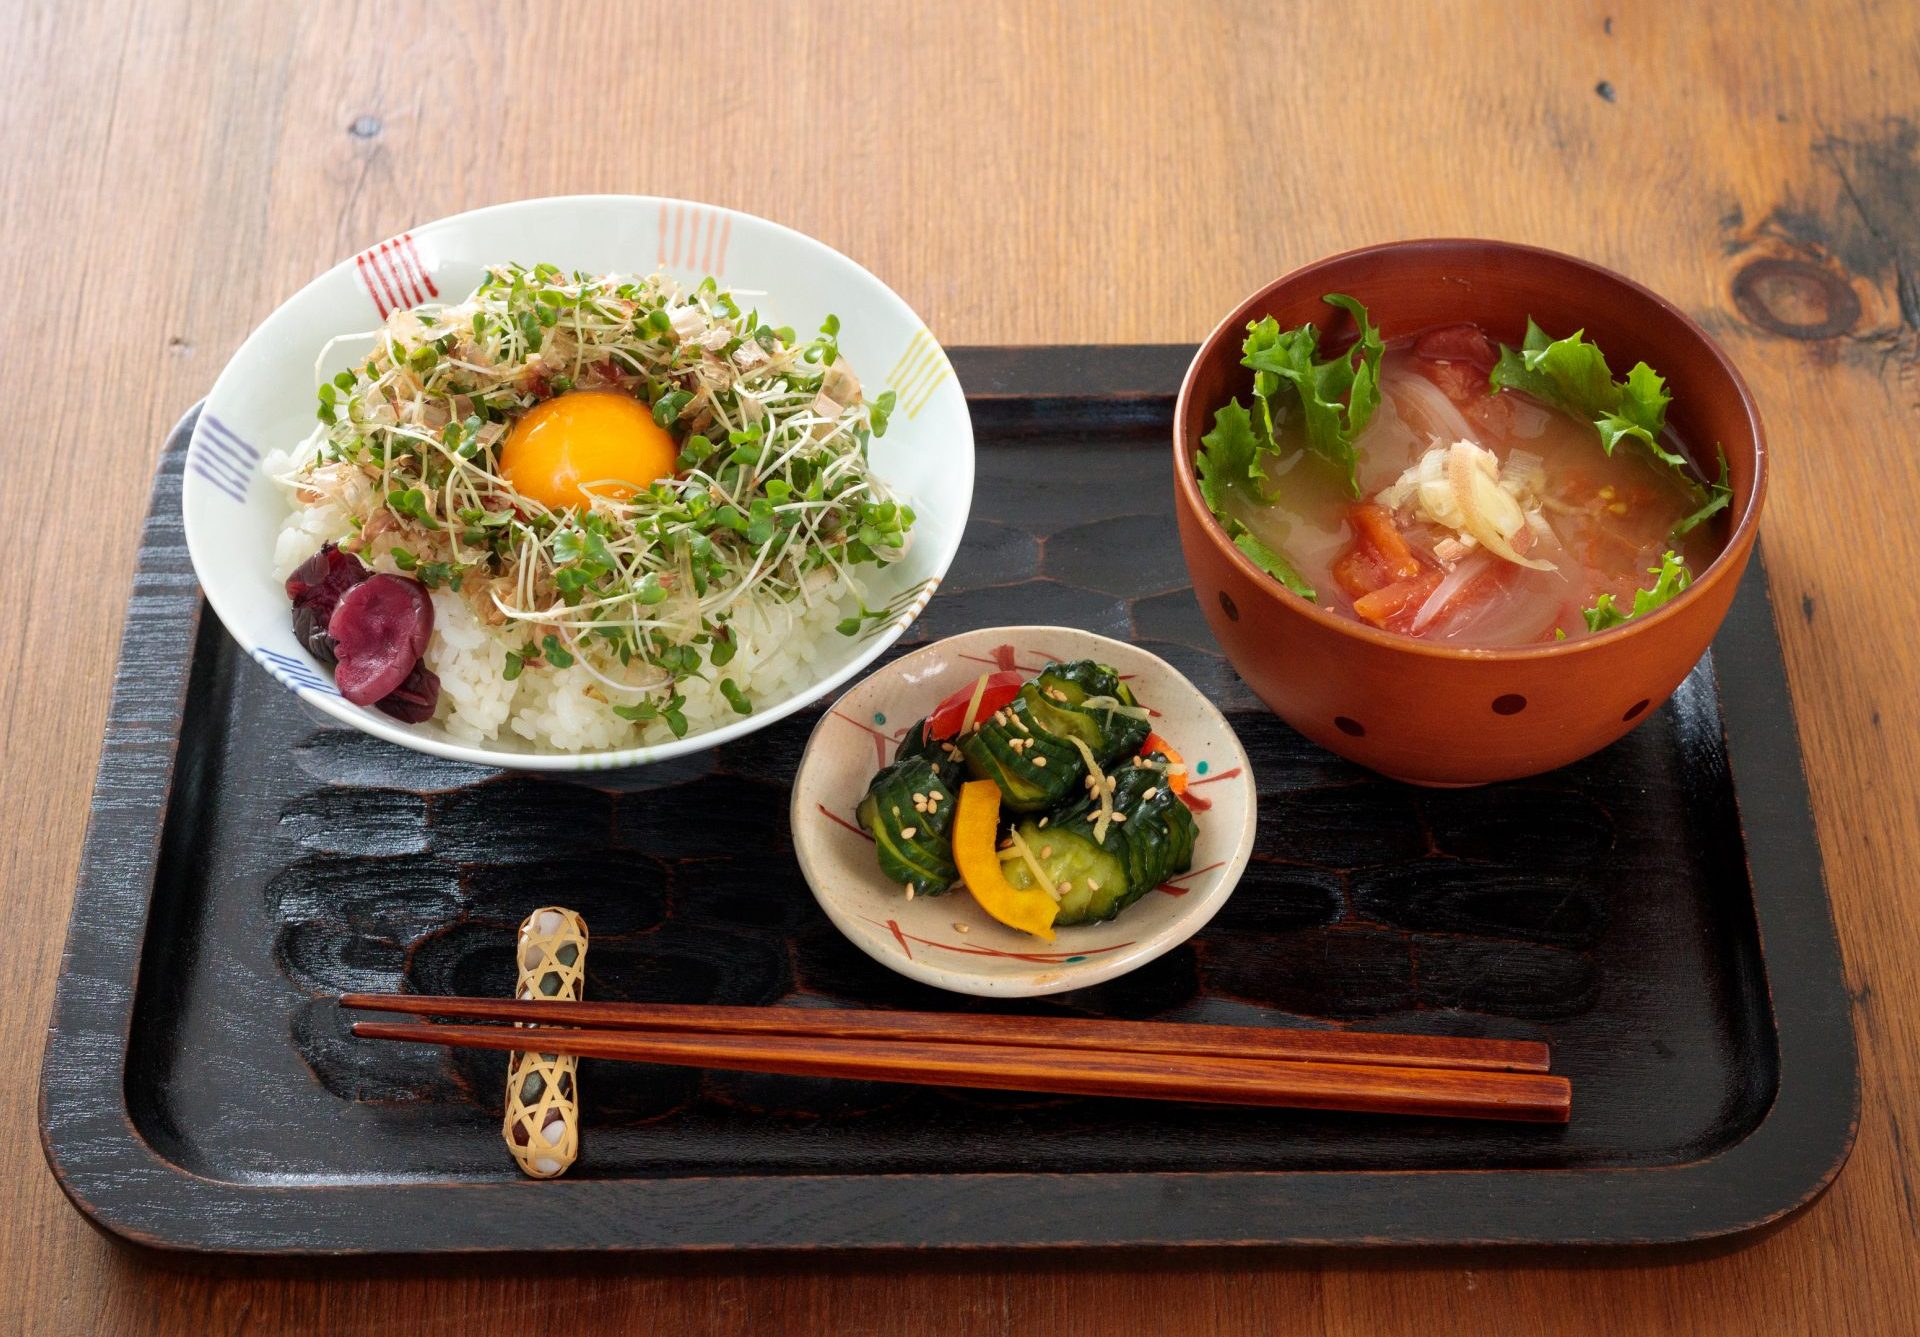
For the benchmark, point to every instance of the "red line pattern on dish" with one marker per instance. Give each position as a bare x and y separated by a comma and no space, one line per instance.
968,949
394,275
376,288
693,237
880,740
898,936
409,252
838,820
1004,658
1172,885
1194,802
706,247
404,295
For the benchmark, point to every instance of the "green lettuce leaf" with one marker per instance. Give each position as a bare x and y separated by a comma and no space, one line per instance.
1273,563
1719,497
1669,579
1336,398
1230,457
1572,373
1641,414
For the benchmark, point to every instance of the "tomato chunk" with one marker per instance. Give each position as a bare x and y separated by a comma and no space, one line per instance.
1398,601
1379,556
1459,343
951,714
1373,524
1176,764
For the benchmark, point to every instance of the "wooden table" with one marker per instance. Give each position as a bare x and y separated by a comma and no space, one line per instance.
1021,173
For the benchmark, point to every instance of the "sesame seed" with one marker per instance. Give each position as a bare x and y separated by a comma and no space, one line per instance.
1065,886
909,832
1046,851
1043,821
1153,791
1119,817
1092,885
909,891
959,927
919,798
1039,761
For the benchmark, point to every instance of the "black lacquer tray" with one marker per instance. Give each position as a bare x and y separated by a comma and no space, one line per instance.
1656,913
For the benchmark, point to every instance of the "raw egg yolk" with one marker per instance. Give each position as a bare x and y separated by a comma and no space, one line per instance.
598,437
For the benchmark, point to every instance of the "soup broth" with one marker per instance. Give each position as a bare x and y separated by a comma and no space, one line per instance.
1589,523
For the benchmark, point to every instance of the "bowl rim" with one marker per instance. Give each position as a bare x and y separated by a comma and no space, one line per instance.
1187,488
1196,913
550,759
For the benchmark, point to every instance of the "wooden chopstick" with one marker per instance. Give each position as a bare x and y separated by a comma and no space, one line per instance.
1139,1037
1368,1088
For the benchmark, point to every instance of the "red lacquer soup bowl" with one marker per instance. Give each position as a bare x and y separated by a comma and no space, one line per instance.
1443,715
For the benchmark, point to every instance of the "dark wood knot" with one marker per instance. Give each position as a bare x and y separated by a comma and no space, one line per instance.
1795,299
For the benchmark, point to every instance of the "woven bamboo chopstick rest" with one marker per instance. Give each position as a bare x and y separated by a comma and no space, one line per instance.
542,1126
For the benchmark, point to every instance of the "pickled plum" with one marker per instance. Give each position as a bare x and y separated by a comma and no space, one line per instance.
379,628
414,700
315,588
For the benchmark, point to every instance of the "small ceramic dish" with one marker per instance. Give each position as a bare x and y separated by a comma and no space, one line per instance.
949,941
1436,714
264,400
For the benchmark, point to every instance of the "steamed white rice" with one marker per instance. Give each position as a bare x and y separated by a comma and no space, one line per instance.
782,649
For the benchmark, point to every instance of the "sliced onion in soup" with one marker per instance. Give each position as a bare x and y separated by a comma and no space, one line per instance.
1430,404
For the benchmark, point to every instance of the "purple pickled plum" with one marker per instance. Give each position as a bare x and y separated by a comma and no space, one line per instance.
310,629
413,700
315,588
379,629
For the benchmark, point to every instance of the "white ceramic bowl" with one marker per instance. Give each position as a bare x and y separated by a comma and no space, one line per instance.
264,400
949,941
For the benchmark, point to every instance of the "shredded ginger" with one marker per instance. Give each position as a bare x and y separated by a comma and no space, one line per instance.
1461,487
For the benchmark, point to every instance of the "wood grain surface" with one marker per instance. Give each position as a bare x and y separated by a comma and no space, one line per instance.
1118,172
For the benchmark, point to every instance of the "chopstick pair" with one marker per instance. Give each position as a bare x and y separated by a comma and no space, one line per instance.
1235,1065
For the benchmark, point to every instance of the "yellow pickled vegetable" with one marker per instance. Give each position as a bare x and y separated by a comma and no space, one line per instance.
976,821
